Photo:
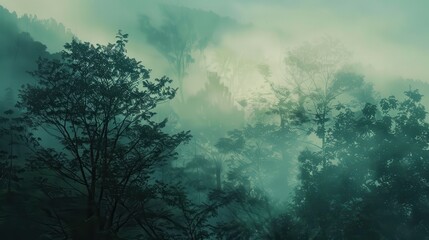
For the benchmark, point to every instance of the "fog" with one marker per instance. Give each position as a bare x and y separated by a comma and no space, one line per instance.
230,120
384,36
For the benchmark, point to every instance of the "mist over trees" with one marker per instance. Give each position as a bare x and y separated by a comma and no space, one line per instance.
181,34
93,145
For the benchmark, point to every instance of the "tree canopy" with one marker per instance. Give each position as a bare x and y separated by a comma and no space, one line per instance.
98,104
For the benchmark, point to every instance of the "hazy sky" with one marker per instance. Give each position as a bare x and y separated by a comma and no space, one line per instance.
389,36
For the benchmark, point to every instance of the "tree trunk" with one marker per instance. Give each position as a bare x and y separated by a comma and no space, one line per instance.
218,175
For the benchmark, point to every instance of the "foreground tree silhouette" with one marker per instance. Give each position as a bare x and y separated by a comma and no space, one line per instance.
98,103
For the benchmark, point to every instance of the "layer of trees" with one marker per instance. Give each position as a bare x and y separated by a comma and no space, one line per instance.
88,155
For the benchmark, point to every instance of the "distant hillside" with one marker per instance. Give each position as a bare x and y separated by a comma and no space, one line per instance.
48,31
18,55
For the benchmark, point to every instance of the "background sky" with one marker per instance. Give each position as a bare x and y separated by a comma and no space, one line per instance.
388,38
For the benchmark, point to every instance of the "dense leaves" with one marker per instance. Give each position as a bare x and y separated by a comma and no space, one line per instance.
98,104
373,185
321,157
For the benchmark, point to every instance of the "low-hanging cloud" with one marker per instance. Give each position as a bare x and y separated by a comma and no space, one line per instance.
388,37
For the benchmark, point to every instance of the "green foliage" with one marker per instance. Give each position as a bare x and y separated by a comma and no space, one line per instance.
372,185
245,212
106,169
99,103
12,135
257,160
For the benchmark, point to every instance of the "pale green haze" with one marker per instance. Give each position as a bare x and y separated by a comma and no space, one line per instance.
221,119
383,35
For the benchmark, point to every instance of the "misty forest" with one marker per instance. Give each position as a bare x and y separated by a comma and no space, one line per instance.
214,120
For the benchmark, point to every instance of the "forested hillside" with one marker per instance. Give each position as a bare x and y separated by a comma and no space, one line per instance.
232,140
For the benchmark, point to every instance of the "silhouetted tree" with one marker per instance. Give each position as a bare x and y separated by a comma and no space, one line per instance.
11,130
98,103
371,181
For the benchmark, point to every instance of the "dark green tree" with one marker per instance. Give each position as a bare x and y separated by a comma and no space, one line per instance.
17,204
11,128
251,164
98,104
370,183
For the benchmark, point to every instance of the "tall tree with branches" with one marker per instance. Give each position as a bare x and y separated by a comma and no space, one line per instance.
99,104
